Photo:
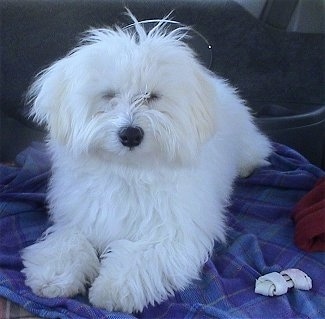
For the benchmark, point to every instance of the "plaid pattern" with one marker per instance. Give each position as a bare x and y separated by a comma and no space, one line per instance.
260,240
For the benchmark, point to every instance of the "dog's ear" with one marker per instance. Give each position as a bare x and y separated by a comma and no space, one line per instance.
204,104
47,97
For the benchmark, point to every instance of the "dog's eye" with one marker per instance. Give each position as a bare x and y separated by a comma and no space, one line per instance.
151,97
154,96
109,95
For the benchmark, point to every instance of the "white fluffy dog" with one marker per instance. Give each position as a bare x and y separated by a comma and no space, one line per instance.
145,144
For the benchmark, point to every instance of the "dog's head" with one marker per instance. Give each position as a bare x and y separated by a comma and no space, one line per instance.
128,96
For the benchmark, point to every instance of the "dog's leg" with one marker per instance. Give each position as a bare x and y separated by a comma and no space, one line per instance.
134,275
60,265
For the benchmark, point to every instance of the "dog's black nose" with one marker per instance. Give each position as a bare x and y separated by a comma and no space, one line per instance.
131,136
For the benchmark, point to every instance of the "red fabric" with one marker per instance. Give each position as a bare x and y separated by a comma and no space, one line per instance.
309,216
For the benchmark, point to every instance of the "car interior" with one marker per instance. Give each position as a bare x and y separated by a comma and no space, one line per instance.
271,51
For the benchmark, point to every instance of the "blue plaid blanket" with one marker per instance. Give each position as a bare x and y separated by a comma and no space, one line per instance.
260,241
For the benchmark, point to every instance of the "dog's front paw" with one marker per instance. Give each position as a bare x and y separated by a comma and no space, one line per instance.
126,282
47,281
112,293
60,265
100,295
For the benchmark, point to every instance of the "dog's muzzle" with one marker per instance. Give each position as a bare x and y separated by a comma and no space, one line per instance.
131,136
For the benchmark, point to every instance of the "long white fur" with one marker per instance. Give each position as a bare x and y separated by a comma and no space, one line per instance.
136,225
